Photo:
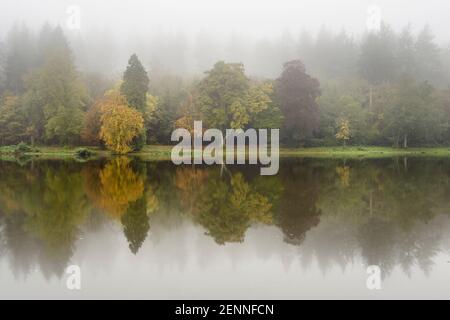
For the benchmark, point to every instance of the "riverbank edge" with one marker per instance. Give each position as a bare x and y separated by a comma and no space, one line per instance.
156,152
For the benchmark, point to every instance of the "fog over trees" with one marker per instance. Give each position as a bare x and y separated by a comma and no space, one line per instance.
309,76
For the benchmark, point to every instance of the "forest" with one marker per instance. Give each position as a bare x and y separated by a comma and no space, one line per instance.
383,88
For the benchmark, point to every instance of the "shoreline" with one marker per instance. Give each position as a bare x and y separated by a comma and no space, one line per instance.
156,152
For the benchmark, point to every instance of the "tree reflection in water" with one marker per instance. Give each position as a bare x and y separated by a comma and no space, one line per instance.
332,210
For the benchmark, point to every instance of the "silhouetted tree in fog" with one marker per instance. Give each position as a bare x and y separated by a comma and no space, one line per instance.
296,93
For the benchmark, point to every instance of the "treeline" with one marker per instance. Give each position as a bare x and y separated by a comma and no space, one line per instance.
386,89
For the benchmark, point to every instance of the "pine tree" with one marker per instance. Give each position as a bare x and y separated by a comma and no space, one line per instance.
2,67
406,53
136,224
429,67
134,88
135,84
19,58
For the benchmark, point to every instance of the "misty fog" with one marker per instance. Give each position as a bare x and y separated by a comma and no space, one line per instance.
188,37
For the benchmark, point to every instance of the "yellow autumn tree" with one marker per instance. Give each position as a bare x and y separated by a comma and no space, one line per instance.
344,133
344,175
120,186
120,123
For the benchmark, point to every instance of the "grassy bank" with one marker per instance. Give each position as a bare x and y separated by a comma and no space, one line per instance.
48,152
365,152
163,152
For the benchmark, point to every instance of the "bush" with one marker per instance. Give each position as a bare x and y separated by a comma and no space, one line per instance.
18,150
84,153
23,148
139,142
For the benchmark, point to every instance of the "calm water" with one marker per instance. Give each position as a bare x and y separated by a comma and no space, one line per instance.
153,230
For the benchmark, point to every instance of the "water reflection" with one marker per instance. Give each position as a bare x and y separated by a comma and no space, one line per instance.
390,212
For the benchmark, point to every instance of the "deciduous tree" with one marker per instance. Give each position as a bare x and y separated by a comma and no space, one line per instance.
296,92
12,121
343,133
120,124
55,90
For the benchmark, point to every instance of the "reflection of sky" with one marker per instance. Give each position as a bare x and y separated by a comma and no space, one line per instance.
182,262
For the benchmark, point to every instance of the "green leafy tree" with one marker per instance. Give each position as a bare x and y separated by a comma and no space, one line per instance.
12,121
226,98
57,89
171,92
163,119
346,102
256,109
412,114
443,101
33,104
219,92
188,113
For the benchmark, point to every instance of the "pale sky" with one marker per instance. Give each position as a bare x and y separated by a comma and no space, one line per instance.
249,17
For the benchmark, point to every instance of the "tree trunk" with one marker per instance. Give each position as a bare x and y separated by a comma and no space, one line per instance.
370,97
405,141
396,141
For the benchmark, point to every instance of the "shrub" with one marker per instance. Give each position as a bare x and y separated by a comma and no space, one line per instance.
23,148
83,153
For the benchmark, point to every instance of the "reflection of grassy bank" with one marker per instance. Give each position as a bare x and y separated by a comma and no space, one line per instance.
163,152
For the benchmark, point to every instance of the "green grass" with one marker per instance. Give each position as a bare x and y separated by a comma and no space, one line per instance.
364,152
163,152
7,150
48,152
153,153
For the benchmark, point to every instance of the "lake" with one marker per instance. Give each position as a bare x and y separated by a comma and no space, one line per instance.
153,230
